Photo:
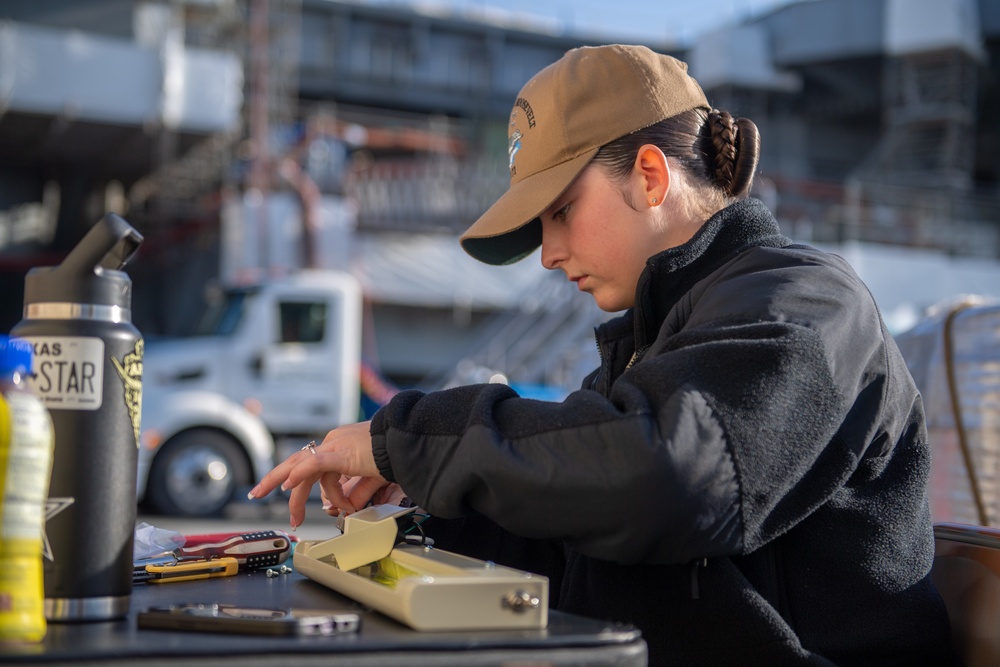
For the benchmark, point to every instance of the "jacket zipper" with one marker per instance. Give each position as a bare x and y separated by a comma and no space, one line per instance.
595,383
636,356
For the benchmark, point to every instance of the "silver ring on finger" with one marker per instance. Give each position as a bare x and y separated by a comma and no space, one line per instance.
311,447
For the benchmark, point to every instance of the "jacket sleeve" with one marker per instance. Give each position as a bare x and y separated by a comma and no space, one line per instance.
719,439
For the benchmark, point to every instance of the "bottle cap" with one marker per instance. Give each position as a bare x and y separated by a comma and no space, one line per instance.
15,354
91,273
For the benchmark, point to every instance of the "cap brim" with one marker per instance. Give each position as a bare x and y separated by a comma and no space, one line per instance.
510,230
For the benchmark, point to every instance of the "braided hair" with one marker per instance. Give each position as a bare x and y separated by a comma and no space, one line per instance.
720,152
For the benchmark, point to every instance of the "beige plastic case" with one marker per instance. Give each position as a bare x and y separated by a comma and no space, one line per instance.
420,586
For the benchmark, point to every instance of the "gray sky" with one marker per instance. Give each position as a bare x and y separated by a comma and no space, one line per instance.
650,20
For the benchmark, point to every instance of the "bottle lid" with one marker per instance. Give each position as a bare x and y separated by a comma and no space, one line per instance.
15,354
91,273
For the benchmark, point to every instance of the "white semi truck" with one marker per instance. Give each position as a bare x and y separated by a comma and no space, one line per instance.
273,366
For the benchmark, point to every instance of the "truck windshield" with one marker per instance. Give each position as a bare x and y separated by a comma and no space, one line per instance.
222,313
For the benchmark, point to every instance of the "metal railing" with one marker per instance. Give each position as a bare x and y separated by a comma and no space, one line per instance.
954,222
439,194
448,194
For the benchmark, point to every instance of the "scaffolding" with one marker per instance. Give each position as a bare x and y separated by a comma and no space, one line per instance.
265,36
930,114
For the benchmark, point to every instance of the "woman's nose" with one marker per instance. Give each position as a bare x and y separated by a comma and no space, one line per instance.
553,251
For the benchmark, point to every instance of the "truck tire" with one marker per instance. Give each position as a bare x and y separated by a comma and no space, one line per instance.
196,473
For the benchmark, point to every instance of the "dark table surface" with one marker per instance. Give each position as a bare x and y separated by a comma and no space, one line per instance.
568,640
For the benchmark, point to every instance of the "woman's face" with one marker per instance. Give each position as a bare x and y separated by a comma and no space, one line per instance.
598,240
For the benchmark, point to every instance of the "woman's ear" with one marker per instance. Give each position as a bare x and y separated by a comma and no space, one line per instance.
652,174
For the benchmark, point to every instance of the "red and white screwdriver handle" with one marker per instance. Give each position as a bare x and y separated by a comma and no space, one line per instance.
251,550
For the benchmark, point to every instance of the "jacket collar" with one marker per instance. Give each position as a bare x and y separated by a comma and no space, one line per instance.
672,273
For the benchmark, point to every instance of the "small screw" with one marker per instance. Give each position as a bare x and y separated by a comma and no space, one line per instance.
284,569
271,573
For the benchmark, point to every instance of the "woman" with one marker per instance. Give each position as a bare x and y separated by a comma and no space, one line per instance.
744,476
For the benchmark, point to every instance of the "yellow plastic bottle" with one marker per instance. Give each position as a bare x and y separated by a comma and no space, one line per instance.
26,443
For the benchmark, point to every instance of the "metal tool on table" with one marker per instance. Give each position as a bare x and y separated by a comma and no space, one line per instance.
423,587
247,550
161,573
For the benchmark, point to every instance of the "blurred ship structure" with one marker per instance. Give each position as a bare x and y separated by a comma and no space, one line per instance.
251,138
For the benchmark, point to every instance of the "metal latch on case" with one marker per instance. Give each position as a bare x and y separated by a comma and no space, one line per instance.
520,601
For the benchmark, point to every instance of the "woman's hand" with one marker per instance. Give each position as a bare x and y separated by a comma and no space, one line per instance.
343,465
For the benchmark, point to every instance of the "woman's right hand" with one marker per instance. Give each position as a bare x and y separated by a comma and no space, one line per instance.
343,465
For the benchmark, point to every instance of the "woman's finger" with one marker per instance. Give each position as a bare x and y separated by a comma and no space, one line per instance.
297,501
277,476
334,498
363,489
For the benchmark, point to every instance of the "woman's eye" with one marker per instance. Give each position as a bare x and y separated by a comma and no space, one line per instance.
561,213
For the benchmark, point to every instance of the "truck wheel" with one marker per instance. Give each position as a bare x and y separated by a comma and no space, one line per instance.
196,474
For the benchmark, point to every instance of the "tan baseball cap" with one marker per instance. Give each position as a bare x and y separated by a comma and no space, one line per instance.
562,116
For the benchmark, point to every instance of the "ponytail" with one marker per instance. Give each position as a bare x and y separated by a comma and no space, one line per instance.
717,150
735,149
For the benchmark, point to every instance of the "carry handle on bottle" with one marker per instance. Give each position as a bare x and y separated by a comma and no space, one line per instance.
109,244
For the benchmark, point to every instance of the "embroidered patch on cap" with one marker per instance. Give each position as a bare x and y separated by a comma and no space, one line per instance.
513,146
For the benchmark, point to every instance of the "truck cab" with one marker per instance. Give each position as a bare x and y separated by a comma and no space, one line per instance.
272,362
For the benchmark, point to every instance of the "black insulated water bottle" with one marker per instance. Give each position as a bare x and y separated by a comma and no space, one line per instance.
87,368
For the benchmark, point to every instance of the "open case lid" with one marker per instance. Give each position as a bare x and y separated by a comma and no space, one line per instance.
368,536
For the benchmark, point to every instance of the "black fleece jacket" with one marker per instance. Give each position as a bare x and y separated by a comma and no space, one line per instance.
743,478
